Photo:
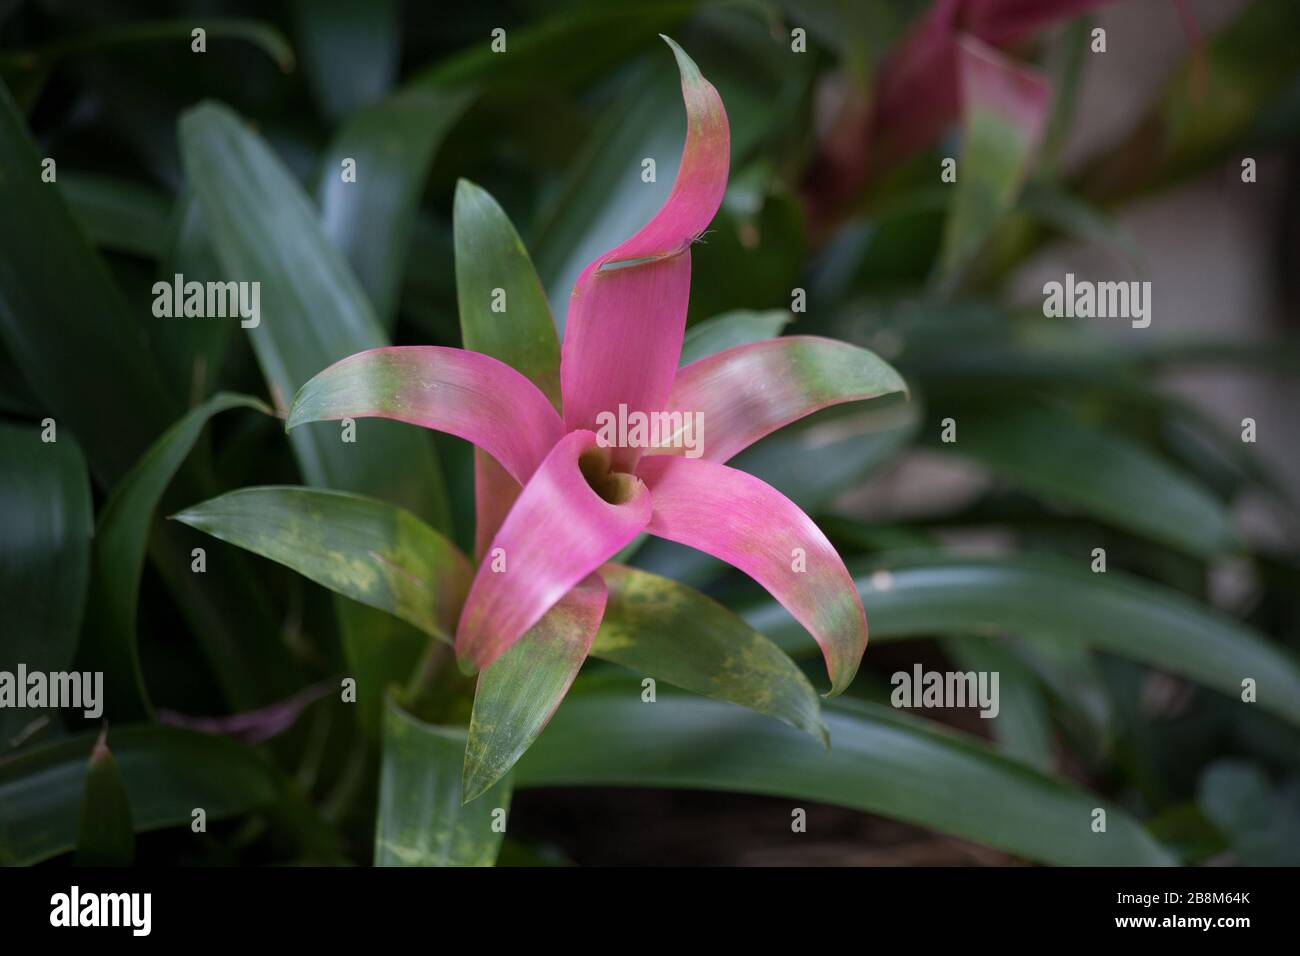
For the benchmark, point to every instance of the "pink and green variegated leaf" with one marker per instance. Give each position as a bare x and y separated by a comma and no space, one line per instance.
661,628
750,391
517,695
1005,109
559,531
466,394
750,525
627,313
491,257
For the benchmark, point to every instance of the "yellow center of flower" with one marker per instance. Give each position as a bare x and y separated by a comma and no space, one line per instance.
616,487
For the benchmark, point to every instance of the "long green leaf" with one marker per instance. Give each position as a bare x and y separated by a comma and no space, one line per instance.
314,311
880,761
1039,598
422,821
731,329
91,370
519,692
370,220
1053,454
121,537
118,214
659,628
191,350
94,372
1022,727
490,256
167,774
264,229
44,557
349,50
1074,217
363,548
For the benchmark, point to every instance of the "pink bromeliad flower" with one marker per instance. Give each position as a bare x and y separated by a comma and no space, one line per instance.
562,503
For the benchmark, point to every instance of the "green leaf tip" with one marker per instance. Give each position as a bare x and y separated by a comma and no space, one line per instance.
477,779
467,188
299,412
689,70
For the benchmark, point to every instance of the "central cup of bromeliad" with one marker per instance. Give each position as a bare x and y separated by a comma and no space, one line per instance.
597,467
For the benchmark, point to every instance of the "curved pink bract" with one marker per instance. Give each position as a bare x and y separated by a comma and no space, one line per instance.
627,313
467,394
747,392
753,527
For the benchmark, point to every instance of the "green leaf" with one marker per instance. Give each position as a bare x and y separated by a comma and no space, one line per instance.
1070,672
1022,727
91,370
44,558
1261,821
1052,453
1039,598
370,220
365,549
94,373
314,311
1074,217
659,628
349,51
422,821
519,692
121,537
105,836
880,761
166,773
118,214
264,229
730,329
490,255
191,351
